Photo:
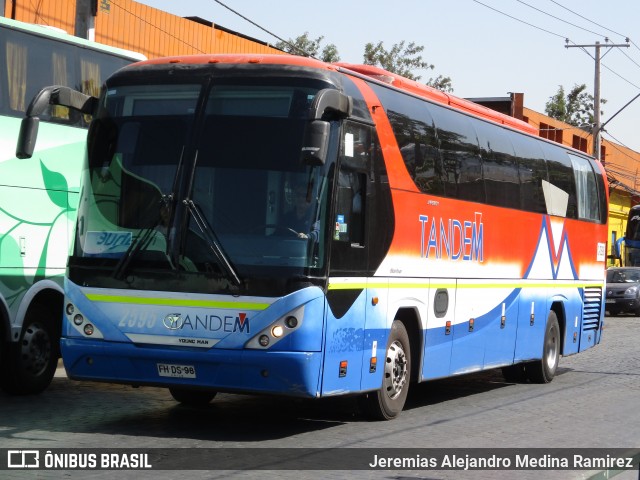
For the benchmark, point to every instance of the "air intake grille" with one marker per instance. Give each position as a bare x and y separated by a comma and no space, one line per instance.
592,308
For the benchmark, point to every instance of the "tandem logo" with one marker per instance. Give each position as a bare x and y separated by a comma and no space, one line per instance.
212,323
452,238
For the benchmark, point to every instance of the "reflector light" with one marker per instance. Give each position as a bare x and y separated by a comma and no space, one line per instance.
291,322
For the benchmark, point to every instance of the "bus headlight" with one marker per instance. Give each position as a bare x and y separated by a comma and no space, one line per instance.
79,323
276,331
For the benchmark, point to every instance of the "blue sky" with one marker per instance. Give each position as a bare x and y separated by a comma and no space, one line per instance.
486,53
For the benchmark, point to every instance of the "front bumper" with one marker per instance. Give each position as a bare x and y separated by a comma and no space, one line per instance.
242,371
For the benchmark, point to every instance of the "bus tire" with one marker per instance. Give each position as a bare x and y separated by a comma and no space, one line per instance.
543,370
514,373
388,402
195,398
29,365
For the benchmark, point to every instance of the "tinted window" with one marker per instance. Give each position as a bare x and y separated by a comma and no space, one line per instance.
587,195
532,171
499,166
460,155
33,62
561,181
360,108
413,128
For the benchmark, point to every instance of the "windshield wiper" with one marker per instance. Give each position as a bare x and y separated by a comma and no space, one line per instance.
141,242
212,240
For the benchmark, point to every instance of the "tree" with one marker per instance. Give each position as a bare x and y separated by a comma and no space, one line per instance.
575,108
306,47
404,60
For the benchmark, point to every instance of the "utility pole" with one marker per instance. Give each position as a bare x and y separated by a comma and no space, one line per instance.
597,127
86,11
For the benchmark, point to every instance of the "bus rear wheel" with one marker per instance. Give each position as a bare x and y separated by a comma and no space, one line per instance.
388,402
195,398
543,370
29,365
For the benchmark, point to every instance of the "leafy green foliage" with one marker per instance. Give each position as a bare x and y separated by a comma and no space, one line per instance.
404,59
307,47
575,108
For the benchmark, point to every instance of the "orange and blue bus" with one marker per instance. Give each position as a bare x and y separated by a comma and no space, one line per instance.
275,224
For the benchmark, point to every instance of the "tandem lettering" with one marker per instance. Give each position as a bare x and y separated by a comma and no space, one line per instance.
451,238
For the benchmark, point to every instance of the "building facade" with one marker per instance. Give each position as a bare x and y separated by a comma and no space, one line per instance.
134,26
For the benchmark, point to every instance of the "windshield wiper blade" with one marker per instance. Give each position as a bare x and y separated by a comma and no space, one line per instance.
212,241
139,243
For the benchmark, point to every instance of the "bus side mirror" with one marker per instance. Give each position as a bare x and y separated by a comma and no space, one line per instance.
328,104
316,143
54,95
27,137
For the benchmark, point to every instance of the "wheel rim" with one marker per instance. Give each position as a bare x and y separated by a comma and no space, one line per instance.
552,348
395,370
36,349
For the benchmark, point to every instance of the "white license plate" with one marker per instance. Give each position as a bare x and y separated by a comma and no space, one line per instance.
176,371
610,300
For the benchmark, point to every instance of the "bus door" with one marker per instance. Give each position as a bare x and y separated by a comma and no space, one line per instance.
351,303
439,333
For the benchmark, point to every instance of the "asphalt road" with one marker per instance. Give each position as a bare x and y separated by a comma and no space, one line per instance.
593,402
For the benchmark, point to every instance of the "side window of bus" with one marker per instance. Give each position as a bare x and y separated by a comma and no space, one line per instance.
460,155
532,169
587,197
561,180
416,138
355,161
499,166
32,63
412,125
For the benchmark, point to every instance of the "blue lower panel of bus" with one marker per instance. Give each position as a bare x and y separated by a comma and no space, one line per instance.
285,373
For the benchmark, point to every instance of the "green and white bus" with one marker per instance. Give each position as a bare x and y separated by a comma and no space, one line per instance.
38,196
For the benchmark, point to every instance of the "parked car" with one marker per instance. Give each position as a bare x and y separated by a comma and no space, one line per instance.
623,290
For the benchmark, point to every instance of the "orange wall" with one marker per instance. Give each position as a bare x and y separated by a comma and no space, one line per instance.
131,25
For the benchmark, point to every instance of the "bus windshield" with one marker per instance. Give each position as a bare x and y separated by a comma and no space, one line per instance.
187,182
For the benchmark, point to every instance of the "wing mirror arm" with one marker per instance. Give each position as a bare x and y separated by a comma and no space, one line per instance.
54,95
328,104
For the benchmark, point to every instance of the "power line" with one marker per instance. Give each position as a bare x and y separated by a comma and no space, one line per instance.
560,19
588,20
263,29
156,27
519,20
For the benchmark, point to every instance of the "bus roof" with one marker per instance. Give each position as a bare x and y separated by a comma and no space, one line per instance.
438,96
376,73
62,36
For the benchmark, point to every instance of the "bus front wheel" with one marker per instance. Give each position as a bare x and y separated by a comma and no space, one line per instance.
388,402
543,370
29,365
196,398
